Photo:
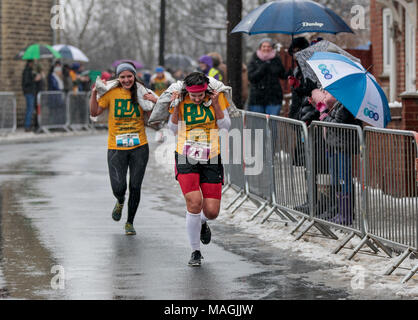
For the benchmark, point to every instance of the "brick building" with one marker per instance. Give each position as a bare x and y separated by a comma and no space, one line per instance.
395,56
22,22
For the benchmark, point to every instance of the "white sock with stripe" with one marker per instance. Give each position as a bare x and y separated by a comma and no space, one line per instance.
193,225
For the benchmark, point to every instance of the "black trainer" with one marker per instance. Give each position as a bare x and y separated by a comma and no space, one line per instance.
205,234
196,259
117,211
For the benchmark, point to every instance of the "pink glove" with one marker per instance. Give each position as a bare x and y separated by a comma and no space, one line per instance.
321,107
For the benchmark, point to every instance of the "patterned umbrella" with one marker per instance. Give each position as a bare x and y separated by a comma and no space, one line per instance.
70,52
351,84
321,46
38,51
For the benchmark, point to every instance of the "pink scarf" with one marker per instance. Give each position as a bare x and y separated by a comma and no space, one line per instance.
266,56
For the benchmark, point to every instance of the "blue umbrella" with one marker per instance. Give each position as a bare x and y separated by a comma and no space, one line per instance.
351,84
291,17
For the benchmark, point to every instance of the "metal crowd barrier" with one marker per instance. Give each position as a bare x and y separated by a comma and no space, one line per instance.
336,179
391,191
259,158
7,112
289,163
53,111
78,110
233,158
364,183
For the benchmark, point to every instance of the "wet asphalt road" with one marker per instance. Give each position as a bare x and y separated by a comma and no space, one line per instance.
55,210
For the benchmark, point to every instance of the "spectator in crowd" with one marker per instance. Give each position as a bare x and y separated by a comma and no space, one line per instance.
206,66
146,78
55,79
75,67
68,82
219,65
29,79
264,71
300,87
160,81
179,74
105,76
40,86
340,146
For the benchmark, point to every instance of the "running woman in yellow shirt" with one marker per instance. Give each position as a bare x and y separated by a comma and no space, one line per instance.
127,141
199,170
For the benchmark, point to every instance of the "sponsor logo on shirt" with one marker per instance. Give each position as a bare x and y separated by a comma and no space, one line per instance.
125,108
194,114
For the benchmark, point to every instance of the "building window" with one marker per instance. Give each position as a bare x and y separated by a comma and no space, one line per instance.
387,41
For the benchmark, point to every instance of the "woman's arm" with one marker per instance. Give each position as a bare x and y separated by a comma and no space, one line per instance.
222,116
174,117
95,110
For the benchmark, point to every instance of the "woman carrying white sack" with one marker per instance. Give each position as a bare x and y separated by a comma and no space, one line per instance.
197,120
127,139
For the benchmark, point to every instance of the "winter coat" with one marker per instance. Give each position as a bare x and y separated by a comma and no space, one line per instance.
265,88
28,81
338,138
307,112
54,84
300,93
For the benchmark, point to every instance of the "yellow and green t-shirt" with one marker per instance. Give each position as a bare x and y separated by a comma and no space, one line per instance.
198,129
126,120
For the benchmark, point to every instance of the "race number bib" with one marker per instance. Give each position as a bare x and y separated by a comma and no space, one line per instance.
199,151
127,140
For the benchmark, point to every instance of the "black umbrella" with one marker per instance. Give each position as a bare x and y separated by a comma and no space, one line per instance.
177,61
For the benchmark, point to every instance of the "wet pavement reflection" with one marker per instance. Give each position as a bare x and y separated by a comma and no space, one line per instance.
55,206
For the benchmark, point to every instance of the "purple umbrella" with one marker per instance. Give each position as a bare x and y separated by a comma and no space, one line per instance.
138,65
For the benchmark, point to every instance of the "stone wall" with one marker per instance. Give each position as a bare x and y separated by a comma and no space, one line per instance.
22,22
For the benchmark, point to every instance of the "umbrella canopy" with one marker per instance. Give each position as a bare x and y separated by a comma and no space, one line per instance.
38,51
323,45
177,61
353,86
292,17
70,52
137,64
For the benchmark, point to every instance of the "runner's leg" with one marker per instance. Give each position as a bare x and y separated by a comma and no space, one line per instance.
138,159
117,161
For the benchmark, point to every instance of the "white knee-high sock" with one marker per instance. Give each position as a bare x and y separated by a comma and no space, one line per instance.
194,227
203,218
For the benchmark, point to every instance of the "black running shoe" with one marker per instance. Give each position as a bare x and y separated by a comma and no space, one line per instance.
205,234
196,259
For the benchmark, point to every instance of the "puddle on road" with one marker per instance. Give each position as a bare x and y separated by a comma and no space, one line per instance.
25,264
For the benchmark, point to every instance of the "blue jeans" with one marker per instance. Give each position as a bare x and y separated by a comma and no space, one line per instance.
30,107
340,170
270,109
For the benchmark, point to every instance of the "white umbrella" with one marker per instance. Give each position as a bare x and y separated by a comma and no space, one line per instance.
70,52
